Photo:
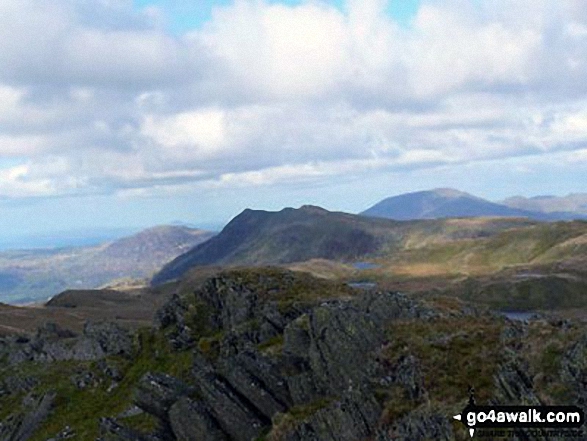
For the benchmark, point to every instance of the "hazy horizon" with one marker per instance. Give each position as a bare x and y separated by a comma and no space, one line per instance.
97,234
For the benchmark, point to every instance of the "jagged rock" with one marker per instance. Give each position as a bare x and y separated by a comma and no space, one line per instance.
259,380
181,338
84,379
172,312
52,331
109,370
111,430
574,371
384,307
296,338
52,344
273,322
112,339
322,377
303,387
352,418
327,350
192,421
419,425
341,337
172,315
15,384
22,426
231,302
235,414
513,333
407,373
296,356
38,349
157,392
513,385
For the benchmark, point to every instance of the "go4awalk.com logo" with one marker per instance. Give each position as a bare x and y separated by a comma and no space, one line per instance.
555,420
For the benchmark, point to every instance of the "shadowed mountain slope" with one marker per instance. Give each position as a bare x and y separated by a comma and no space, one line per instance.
258,237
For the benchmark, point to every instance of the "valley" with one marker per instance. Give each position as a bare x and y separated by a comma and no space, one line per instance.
29,276
496,262
298,324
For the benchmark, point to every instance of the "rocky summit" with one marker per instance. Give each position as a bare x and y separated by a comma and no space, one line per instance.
270,354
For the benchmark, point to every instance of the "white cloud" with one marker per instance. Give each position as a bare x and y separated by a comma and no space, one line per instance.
26,180
571,125
188,135
97,97
9,97
28,145
453,50
14,183
279,51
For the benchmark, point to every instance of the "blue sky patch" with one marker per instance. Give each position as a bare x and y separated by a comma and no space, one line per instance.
403,11
184,15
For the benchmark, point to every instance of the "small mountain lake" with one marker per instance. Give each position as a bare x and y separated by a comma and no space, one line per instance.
362,285
365,265
529,276
517,315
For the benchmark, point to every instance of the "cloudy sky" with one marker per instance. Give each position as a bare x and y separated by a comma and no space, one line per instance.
133,113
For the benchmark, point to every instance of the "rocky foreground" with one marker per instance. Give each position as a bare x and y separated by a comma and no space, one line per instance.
268,354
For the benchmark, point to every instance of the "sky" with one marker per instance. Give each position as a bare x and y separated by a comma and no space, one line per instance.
132,113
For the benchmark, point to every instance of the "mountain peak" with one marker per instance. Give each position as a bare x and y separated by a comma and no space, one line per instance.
443,203
287,236
450,193
313,209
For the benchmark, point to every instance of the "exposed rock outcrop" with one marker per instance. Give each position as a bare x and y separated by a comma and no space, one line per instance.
325,363
52,343
420,425
260,358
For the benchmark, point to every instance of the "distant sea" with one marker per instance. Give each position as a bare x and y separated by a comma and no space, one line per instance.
62,239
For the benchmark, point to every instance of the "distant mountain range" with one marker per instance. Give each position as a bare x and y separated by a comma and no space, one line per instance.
270,353
30,275
575,203
446,202
257,237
